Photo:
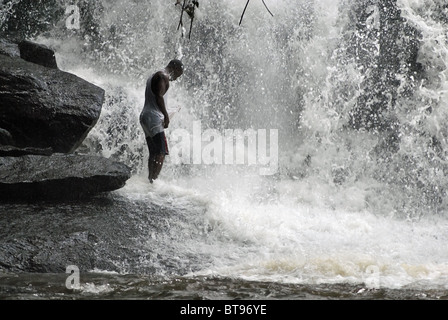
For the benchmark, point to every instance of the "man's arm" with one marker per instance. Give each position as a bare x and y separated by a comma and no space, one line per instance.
159,87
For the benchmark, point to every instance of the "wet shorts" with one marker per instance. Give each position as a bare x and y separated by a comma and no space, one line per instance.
157,144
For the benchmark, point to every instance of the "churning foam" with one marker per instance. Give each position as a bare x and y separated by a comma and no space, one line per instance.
264,230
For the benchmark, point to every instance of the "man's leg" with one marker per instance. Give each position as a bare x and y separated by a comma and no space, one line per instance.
158,148
151,167
158,163
151,159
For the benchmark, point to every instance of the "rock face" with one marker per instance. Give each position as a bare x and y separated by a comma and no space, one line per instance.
45,115
46,108
59,176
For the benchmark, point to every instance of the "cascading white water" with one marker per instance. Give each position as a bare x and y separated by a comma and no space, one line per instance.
335,210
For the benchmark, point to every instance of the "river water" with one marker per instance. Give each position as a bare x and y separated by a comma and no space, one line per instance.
342,213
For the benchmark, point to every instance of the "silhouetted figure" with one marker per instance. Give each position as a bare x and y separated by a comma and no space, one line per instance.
154,117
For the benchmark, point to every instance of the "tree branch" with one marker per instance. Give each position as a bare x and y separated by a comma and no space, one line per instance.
181,13
247,3
267,8
190,10
244,11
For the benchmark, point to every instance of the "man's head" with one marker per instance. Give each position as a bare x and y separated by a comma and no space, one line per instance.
175,69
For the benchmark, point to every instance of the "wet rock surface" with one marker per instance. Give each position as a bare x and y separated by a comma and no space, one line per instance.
107,232
59,176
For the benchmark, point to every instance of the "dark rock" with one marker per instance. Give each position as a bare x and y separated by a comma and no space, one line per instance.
37,254
46,108
9,49
37,53
5,137
59,176
27,19
47,236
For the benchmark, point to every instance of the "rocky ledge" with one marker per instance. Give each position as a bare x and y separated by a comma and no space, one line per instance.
45,115
59,176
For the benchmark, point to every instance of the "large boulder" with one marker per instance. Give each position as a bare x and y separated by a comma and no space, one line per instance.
45,114
59,176
44,108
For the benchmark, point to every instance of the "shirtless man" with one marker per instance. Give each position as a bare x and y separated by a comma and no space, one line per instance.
154,117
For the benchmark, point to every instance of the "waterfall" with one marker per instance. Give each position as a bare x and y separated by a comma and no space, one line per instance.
357,91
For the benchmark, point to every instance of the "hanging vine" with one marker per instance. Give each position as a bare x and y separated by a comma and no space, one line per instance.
245,7
189,7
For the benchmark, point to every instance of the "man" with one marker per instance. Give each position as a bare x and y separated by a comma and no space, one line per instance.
154,117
